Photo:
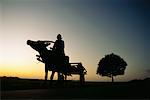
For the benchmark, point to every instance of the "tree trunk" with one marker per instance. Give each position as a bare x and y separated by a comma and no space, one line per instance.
112,78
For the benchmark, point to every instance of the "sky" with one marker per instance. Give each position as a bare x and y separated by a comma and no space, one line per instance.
90,29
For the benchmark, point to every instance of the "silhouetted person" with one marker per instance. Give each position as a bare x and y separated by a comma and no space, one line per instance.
59,55
58,47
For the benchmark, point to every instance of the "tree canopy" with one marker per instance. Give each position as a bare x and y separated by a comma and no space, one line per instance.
111,65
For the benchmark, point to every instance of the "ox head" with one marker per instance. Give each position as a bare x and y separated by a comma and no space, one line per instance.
34,45
37,45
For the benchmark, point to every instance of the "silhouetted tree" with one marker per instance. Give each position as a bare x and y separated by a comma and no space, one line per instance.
111,65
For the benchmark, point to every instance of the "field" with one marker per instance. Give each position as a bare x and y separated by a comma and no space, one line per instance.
15,88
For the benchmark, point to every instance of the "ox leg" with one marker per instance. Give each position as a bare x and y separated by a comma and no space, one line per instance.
46,72
52,75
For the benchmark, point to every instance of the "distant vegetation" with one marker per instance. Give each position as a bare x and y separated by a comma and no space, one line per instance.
5,77
138,80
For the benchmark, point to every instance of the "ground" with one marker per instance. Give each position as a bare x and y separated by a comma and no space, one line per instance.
36,89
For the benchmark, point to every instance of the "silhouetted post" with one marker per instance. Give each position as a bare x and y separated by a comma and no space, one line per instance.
82,79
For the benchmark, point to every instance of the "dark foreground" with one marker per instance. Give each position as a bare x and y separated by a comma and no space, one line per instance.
36,89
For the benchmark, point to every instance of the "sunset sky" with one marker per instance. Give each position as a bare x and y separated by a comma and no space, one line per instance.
90,28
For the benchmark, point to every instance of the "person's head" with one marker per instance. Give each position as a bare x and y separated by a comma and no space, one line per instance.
59,37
